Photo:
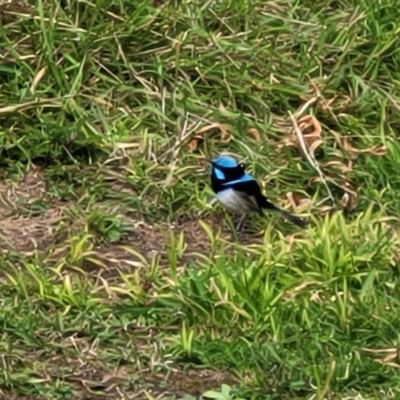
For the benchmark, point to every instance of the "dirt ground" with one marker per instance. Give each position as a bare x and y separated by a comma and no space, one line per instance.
24,231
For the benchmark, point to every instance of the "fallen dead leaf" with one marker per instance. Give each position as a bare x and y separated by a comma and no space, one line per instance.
293,199
338,164
349,201
198,136
255,133
376,150
296,201
325,210
343,185
311,134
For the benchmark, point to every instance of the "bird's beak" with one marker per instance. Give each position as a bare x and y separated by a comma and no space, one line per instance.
210,161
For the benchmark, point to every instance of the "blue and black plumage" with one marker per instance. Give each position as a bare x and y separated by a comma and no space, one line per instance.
239,192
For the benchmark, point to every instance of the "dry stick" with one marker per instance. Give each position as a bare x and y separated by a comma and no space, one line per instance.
310,158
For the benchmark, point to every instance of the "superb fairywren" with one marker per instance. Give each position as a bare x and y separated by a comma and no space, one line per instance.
239,192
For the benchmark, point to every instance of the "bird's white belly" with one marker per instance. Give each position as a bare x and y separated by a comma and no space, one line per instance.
233,202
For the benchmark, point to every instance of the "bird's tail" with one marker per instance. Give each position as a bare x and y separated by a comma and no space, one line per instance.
292,218
296,220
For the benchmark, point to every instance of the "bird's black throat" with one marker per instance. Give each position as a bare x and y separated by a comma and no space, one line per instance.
230,174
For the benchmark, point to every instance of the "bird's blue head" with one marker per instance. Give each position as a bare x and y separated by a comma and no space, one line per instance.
224,162
225,169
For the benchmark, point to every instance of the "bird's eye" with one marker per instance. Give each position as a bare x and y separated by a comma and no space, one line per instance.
241,165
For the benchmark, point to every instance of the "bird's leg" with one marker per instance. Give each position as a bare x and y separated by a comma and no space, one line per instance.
241,222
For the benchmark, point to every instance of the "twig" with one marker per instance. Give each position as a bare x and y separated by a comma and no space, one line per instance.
309,157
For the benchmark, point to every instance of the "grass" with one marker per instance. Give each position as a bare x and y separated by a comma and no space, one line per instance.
117,280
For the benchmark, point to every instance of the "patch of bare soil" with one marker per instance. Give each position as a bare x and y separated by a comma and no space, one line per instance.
14,396
123,383
90,383
49,232
20,230
12,7
25,233
154,241
88,378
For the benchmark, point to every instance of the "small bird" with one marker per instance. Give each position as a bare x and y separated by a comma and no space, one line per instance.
239,192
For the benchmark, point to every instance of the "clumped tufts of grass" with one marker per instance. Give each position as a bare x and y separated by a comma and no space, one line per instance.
117,279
